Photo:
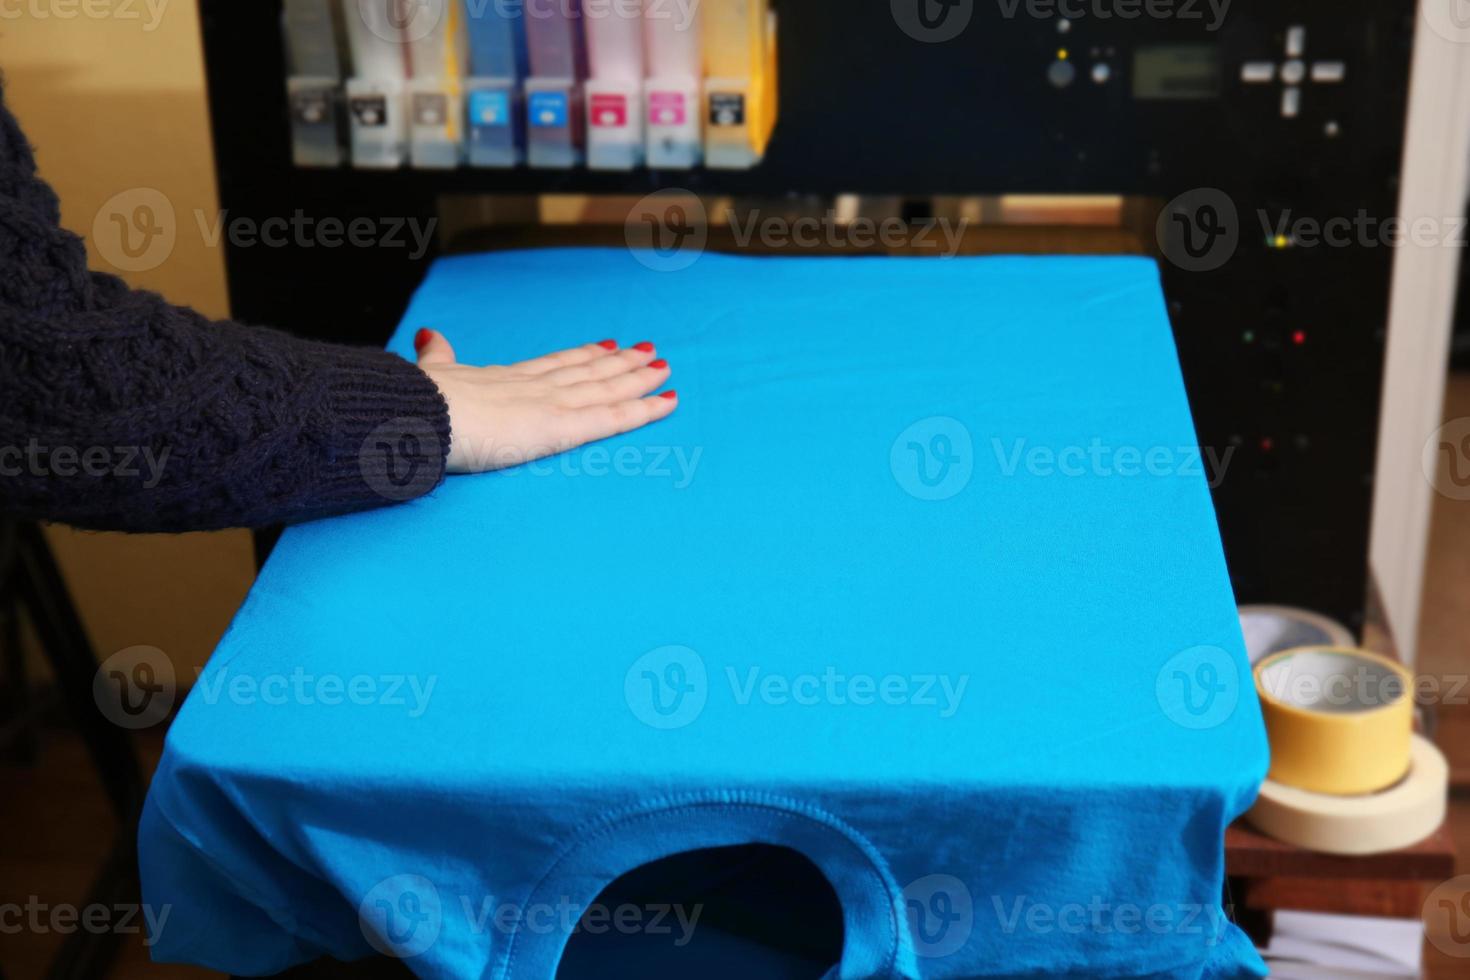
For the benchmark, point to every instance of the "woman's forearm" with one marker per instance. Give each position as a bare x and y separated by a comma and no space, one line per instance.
145,417
121,411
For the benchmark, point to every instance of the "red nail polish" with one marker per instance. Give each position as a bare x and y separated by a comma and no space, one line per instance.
645,347
670,395
659,364
422,338
608,344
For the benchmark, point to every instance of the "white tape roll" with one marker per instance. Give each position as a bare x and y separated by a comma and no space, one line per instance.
1271,629
1400,816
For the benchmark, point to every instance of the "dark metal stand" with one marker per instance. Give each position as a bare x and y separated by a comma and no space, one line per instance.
19,707
30,581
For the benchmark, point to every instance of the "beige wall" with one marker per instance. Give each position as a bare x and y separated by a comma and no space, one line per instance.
111,94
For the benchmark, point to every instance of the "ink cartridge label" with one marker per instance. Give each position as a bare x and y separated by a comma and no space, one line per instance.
547,110
489,108
370,111
726,109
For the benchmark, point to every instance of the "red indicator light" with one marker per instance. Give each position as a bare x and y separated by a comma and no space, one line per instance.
1267,444
1299,337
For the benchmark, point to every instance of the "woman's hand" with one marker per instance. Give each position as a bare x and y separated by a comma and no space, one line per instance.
504,416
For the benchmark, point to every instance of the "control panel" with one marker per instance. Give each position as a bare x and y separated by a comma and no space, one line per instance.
1292,71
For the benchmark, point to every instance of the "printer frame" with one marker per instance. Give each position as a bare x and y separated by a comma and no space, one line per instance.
1282,345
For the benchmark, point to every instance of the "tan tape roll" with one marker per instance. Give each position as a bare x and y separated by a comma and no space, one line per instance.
1400,816
1338,719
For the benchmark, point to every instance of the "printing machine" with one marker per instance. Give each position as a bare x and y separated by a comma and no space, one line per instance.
1225,130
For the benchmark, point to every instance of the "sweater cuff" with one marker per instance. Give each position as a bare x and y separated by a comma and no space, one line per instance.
390,433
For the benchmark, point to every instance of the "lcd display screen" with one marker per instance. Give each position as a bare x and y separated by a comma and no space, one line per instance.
1176,71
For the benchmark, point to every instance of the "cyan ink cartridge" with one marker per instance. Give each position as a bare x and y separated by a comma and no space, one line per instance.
558,64
495,114
553,123
495,123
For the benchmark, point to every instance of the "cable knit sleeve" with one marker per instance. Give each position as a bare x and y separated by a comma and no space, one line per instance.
119,411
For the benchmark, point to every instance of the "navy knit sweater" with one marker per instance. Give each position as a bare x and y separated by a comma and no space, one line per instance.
119,411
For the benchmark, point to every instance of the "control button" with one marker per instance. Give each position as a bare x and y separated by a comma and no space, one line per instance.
1063,25
1293,72
1257,72
1101,72
1296,41
1061,73
1329,71
1291,102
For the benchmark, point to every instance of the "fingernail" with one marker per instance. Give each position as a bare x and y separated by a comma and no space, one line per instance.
645,347
659,364
670,395
422,338
608,344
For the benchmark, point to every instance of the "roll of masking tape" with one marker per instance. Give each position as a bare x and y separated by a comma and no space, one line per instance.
1271,629
1400,816
1339,720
